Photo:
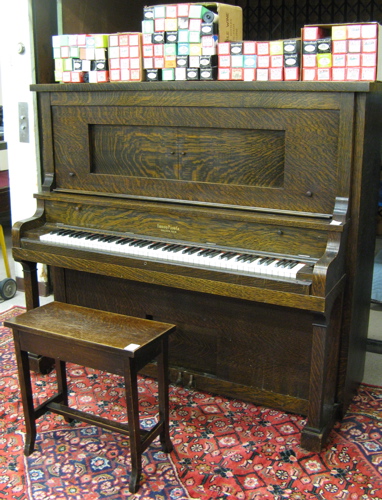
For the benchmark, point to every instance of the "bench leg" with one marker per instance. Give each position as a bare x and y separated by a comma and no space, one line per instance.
26,395
131,387
62,384
163,396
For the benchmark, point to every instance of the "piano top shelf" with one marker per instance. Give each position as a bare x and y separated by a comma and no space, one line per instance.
212,86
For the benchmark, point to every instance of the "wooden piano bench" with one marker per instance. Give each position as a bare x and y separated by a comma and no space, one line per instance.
105,341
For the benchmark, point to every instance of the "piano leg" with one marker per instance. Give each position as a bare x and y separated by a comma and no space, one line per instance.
30,285
38,364
323,409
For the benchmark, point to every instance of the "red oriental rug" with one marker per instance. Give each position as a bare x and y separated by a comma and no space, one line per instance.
223,448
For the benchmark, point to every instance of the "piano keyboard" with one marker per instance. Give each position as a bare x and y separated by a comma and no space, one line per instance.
187,254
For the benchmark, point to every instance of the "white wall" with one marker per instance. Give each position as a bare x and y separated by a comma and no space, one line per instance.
17,73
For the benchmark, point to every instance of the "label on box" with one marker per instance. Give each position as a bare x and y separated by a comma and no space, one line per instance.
237,61
370,45
324,45
180,74
168,74
339,32
158,50
194,61
354,46
182,61
148,12
159,25
324,74
237,74
292,74
125,63
276,74
124,51
369,59
249,74
339,60
276,48
262,74
208,61
309,60
263,48
249,48
339,46
309,47
353,74
208,74
263,61
277,61
368,74
224,48
354,31
192,74
324,61
369,30
250,61
224,73
291,60
153,74
292,46
353,59
236,48
148,62
338,74
309,74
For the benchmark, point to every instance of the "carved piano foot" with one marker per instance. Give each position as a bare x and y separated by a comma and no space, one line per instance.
313,439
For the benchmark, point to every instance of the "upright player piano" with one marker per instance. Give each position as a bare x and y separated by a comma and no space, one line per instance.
243,212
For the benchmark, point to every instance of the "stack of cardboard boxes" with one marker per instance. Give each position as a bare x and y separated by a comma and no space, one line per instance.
341,52
203,41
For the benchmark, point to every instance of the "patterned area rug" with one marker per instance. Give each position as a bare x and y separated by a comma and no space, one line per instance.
223,448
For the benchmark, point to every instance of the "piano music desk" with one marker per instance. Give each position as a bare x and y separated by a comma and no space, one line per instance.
104,341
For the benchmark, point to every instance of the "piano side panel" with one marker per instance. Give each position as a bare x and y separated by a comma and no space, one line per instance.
260,348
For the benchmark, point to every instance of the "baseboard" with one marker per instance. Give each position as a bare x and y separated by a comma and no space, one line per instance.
44,288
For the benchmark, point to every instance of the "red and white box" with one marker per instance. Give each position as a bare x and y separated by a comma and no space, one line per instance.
277,61
249,74
368,74
263,61
224,48
338,74
309,60
353,74
313,33
324,74
224,73
339,60
292,74
262,74
249,48
263,48
276,74
309,74
353,60
339,46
